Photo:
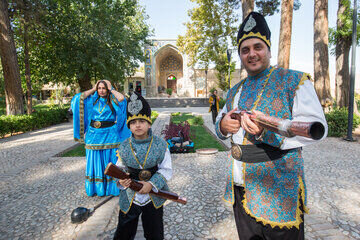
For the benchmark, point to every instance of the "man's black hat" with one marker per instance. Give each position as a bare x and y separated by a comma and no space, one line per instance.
138,108
254,26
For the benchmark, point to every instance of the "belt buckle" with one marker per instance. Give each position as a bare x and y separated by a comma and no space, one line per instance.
144,175
97,124
236,151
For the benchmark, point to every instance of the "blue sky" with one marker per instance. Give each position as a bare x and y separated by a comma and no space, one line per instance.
166,17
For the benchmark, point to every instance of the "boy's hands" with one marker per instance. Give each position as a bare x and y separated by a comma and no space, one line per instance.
125,182
146,187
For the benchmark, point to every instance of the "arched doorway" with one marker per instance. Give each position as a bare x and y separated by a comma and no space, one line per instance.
169,69
171,82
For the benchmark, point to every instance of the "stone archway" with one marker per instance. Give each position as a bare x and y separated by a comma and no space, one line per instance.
169,62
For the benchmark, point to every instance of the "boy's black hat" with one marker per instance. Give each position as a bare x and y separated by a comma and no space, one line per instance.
138,108
254,26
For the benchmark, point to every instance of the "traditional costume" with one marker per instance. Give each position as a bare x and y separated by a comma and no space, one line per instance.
146,160
214,106
269,197
101,131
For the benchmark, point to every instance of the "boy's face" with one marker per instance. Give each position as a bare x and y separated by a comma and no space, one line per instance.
140,128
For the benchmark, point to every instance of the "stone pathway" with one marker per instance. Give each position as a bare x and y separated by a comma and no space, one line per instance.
38,191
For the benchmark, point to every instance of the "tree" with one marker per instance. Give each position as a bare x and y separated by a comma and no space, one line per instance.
24,18
321,53
341,37
12,81
84,40
270,7
208,32
285,33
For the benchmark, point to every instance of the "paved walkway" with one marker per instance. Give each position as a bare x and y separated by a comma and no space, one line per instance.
38,191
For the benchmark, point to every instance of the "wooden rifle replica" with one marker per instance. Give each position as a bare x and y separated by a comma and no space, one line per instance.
114,171
285,127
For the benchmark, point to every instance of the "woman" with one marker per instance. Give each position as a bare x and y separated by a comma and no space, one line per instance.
100,122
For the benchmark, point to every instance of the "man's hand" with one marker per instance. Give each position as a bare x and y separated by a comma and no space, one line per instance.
146,187
250,126
229,125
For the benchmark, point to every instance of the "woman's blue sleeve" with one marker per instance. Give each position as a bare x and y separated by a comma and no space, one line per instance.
123,130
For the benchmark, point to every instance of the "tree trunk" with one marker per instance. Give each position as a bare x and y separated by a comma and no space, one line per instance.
247,7
26,61
85,82
12,81
321,53
285,33
342,77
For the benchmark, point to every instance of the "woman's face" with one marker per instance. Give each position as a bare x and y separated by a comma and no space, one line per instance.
101,89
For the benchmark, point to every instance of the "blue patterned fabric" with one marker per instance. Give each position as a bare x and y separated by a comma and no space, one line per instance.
155,157
100,143
272,189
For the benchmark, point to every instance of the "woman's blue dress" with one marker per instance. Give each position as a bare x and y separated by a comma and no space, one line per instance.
100,143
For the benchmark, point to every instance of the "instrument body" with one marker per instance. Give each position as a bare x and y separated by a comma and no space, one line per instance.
285,127
114,171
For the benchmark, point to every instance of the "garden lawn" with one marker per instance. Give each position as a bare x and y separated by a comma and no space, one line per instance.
198,134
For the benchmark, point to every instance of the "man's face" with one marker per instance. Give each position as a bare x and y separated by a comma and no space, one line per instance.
140,128
215,92
255,55
101,89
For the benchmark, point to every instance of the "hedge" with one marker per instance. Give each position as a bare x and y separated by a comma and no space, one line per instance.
23,123
337,120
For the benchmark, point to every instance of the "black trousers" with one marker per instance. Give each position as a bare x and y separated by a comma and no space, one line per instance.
152,221
214,114
249,229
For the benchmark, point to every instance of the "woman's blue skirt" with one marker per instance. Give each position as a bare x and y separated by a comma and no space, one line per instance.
96,182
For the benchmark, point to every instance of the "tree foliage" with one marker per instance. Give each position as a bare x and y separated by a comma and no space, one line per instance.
345,32
213,24
92,39
341,38
270,7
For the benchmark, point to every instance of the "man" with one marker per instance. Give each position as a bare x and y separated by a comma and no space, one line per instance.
214,105
268,197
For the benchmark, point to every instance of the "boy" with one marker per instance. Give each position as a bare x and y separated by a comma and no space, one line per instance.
147,160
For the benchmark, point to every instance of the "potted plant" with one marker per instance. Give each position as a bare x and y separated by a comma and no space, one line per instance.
169,91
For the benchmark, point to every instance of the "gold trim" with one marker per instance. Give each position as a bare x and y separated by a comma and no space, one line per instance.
100,147
290,224
257,35
232,185
258,100
305,76
130,203
81,118
147,153
139,116
90,179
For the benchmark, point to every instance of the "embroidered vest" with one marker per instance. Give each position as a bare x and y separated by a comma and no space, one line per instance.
272,189
148,158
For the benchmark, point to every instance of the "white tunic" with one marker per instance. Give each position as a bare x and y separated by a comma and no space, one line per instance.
306,108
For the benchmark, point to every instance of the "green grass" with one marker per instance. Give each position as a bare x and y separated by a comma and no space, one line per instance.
79,151
200,137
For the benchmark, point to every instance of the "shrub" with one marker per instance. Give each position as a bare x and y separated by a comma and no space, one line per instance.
221,103
169,91
337,120
23,123
175,114
198,120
